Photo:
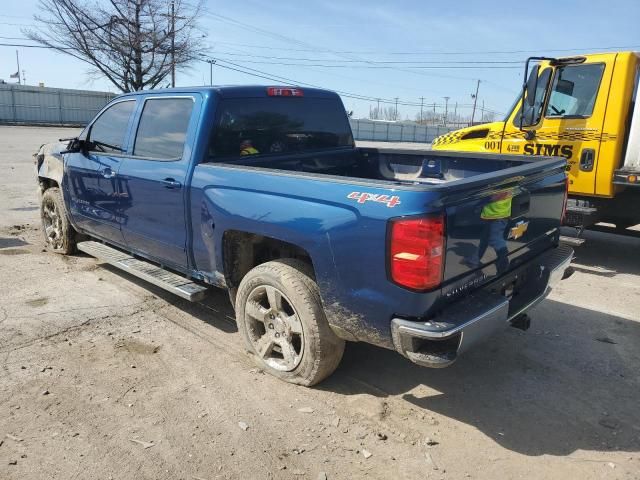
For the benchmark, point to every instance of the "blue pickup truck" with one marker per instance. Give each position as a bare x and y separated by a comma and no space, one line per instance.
262,191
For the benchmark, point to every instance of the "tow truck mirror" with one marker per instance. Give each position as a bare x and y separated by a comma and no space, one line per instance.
532,83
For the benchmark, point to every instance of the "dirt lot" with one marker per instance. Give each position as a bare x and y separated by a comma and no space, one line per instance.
106,377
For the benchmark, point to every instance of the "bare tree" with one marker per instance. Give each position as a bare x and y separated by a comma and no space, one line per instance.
135,44
385,113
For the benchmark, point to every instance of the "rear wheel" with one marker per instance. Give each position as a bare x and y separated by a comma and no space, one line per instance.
280,316
59,235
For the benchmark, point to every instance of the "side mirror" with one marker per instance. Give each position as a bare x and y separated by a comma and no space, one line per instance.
77,145
531,85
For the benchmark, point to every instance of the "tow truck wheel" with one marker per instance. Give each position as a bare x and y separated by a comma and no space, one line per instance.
280,316
59,235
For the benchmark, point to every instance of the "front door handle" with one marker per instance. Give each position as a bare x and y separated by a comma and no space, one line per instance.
171,183
107,173
587,159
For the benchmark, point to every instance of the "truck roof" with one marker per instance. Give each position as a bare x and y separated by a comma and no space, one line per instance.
236,91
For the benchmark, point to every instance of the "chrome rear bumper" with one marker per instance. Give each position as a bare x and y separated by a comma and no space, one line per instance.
438,342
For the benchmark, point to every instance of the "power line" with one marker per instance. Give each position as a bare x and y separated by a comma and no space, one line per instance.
15,38
33,46
18,24
387,67
390,62
17,16
430,52
267,76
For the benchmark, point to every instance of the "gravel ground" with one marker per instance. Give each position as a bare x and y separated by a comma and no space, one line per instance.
105,377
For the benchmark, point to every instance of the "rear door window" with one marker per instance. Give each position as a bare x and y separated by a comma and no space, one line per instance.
109,130
279,125
163,128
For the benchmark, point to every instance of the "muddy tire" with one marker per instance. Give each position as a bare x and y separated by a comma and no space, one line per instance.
280,316
59,235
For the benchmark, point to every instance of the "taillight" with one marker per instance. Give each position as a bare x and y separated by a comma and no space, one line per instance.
416,252
284,92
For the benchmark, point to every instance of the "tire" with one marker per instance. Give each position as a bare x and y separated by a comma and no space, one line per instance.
59,235
280,316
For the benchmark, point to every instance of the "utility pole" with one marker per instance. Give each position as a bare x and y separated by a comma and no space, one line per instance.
446,109
173,44
455,113
395,115
475,100
18,62
421,105
378,110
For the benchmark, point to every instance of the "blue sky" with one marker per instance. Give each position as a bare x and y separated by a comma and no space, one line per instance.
373,31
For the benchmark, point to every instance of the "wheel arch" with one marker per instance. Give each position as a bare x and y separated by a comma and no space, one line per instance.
242,251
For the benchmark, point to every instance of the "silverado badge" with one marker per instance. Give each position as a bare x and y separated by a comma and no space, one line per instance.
518,230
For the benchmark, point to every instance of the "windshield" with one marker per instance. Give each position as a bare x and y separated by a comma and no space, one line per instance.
276,125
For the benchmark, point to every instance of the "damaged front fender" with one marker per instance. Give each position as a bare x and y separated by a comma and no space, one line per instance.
50,164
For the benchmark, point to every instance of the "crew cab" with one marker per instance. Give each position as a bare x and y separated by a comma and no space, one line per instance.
262,191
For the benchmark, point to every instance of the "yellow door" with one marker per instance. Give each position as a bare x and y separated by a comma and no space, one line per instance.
567,118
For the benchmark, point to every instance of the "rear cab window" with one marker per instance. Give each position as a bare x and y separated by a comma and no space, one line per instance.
278,125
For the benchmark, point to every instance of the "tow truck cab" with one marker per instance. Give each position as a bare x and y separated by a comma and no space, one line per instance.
584,109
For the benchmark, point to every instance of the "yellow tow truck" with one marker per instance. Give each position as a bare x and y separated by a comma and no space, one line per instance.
582,108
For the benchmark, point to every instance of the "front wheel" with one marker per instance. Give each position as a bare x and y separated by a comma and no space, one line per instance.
280,316
59,235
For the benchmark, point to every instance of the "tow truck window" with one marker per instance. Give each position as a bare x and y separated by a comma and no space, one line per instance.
532,114
574,91
277,125
108,131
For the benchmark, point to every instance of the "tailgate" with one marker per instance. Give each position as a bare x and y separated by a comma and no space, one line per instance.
514,218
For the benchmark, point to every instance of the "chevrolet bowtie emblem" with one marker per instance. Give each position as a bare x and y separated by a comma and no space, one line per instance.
518,230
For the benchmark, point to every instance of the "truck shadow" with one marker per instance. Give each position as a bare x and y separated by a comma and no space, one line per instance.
214,310
607,254
570,383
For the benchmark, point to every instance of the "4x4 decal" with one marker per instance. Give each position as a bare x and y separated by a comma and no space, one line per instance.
362,197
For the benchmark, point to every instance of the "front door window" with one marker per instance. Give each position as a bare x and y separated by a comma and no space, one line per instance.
574,91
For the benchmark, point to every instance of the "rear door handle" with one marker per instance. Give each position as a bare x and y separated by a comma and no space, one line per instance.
171,183
107,173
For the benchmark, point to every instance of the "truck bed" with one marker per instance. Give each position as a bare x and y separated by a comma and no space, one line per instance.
425,169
